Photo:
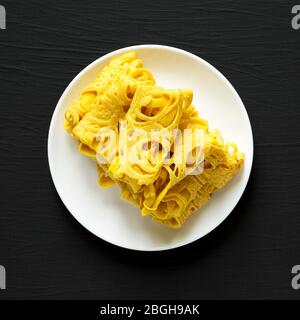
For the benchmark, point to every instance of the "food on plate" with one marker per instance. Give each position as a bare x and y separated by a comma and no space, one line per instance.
150,141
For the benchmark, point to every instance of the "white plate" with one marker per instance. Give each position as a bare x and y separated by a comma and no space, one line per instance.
100,210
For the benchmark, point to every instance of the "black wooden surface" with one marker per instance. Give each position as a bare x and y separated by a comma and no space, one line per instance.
47,254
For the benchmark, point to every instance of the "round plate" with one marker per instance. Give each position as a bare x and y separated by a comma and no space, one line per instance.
100,210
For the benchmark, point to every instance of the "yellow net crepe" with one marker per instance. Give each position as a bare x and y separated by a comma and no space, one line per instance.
124,98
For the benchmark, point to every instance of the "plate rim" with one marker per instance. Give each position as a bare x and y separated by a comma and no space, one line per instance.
91,66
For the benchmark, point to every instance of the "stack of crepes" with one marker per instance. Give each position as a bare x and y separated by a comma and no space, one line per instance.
170,191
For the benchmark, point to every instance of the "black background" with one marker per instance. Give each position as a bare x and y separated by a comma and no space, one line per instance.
47,254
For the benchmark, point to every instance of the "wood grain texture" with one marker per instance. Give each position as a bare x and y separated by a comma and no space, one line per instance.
47,254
